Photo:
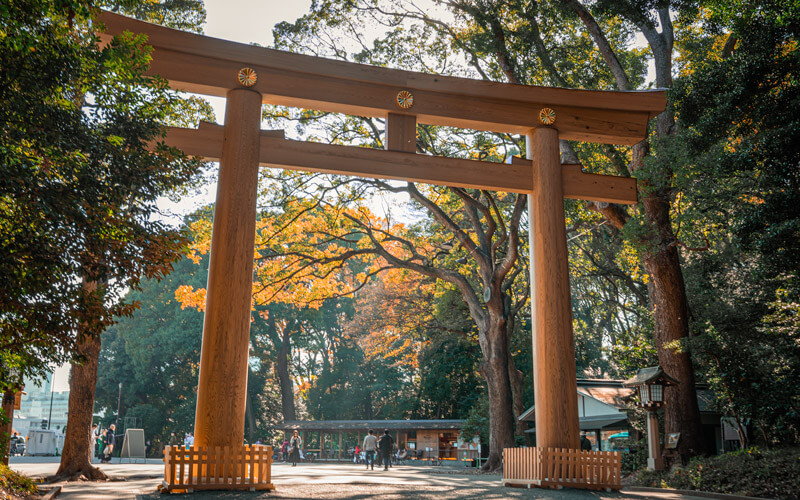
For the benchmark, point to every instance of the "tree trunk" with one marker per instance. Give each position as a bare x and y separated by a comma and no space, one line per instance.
250,421
494,367
285,380
671,318
670,309
515,378
76,455
9,397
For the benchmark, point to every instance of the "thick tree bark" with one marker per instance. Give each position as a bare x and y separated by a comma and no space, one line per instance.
515,378
666,288
249,418
671,318
670,308
76,455
494,367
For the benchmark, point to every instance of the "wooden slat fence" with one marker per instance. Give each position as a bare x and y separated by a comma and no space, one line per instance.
217,468
562,467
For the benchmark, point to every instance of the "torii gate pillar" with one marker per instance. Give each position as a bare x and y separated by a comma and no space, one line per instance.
554,378
222,388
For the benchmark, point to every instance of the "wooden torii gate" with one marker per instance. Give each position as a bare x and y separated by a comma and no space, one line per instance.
250,76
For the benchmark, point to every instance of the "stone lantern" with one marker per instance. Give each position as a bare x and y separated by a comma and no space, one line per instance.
649,384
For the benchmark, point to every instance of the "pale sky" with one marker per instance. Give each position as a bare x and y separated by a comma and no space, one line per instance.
248,21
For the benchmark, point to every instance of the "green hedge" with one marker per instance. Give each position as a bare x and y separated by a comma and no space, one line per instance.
16,483
750,472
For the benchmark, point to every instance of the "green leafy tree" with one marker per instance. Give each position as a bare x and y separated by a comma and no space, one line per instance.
79,188
155,354
739,138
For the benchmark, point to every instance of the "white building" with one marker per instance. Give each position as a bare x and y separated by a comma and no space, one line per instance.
40,403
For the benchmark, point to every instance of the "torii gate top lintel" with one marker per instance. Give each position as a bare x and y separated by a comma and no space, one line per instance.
206,65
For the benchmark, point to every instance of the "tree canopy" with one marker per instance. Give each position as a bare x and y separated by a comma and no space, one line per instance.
79,179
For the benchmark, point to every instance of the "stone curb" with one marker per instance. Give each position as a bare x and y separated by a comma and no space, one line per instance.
704,494
51,493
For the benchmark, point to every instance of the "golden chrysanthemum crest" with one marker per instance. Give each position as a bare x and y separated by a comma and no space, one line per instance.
247,77
404,99
547,116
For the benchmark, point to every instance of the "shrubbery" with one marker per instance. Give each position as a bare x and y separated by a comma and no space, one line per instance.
750,472
15,483
634,457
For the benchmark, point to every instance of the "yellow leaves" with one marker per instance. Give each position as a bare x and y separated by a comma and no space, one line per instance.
201,242
391,313
189,297
751,199
303,386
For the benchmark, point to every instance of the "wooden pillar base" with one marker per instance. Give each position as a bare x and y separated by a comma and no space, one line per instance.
195,468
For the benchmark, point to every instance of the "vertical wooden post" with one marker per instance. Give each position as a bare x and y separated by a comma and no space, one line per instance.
401,133
222,388
339,453
555,384
654,460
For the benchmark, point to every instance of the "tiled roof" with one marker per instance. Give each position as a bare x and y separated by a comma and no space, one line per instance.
613,393
650,374
614,396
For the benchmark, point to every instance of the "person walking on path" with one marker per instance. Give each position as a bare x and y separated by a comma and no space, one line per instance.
285,451
586,445
92,442
295,443
370,445
385,444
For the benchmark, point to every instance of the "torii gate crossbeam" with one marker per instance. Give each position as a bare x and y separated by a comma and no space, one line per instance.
249,76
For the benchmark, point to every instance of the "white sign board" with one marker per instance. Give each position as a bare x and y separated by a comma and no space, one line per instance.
133,445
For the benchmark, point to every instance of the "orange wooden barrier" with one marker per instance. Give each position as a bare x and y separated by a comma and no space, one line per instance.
560,467
192,468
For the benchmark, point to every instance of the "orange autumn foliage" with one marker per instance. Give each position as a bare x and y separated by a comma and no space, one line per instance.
307,253
393,314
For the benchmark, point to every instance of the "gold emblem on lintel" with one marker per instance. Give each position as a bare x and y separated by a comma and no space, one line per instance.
547,116
404,99
247,77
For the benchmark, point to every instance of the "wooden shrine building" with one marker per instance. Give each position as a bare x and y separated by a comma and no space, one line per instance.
335,439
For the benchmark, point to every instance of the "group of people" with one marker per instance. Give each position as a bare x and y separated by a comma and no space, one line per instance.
383,446
17,444
374,448
102,442
174,440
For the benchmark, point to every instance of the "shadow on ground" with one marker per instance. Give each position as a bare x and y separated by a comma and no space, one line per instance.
353,491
